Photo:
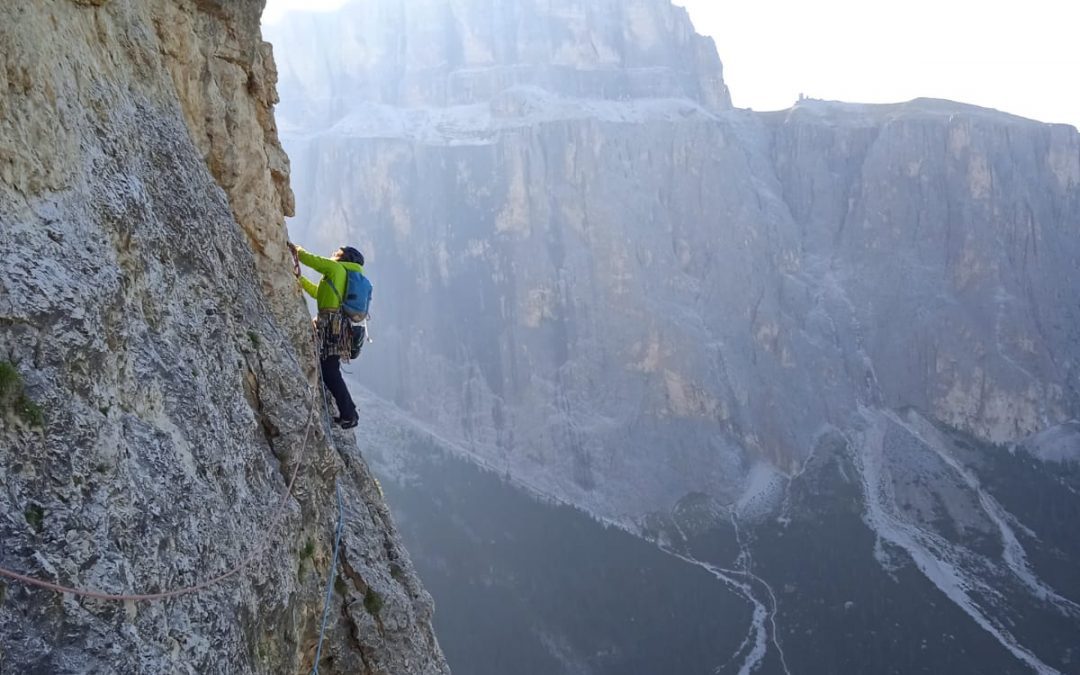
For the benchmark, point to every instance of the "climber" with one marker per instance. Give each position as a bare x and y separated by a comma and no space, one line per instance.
334,327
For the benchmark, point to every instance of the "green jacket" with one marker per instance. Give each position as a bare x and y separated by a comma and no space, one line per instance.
333,272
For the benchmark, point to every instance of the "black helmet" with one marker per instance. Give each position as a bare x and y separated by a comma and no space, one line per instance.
352,255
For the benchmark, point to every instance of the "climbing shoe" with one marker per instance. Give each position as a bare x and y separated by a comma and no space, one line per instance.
348,422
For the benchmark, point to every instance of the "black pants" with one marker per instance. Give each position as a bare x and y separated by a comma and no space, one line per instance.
331,375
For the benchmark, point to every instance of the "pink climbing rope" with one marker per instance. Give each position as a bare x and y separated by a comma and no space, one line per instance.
239,567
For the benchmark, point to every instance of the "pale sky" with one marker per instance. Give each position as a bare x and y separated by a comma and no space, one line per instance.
1020,57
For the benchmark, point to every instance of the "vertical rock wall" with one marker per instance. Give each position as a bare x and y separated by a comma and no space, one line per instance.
155,375
954,228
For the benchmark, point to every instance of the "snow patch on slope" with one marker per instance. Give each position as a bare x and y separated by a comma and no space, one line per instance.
763,493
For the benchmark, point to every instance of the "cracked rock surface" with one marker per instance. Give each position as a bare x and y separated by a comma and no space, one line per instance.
157,364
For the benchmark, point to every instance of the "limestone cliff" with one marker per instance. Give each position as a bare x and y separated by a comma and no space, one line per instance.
629,299
952,231
155,364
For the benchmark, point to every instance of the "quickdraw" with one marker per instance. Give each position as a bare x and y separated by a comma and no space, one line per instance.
295,261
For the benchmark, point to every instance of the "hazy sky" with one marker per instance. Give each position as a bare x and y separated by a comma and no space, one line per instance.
1021,57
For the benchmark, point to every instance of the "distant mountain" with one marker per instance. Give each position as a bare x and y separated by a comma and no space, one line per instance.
845,332
439,53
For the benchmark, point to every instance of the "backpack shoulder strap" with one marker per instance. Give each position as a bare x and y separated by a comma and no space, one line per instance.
330,283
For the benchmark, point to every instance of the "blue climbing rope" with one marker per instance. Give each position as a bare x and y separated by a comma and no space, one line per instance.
330,581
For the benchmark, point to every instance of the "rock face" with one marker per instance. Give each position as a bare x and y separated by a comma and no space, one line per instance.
954,229
155,370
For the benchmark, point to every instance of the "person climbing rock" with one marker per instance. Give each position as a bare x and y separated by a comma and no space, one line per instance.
333,325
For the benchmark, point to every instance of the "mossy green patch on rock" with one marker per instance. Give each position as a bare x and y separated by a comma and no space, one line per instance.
10,382
373,602
35,517
13,397
341,587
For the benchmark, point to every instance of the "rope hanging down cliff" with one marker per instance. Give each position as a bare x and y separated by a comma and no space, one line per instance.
188,590
330,580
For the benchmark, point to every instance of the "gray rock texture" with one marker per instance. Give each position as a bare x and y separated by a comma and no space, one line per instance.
623,300
155,365
954,229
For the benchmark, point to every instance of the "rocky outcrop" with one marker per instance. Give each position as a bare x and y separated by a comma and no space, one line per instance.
626,301
155,367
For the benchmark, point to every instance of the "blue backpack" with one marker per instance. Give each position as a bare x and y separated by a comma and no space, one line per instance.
357,300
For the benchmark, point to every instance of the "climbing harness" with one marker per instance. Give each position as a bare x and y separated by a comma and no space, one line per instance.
334,333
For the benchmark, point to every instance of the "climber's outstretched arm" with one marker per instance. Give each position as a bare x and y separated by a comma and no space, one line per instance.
309,287
316,262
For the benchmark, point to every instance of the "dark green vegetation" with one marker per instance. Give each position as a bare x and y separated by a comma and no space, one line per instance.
530,588
13,397
10,382
340,587
35,517
373,602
